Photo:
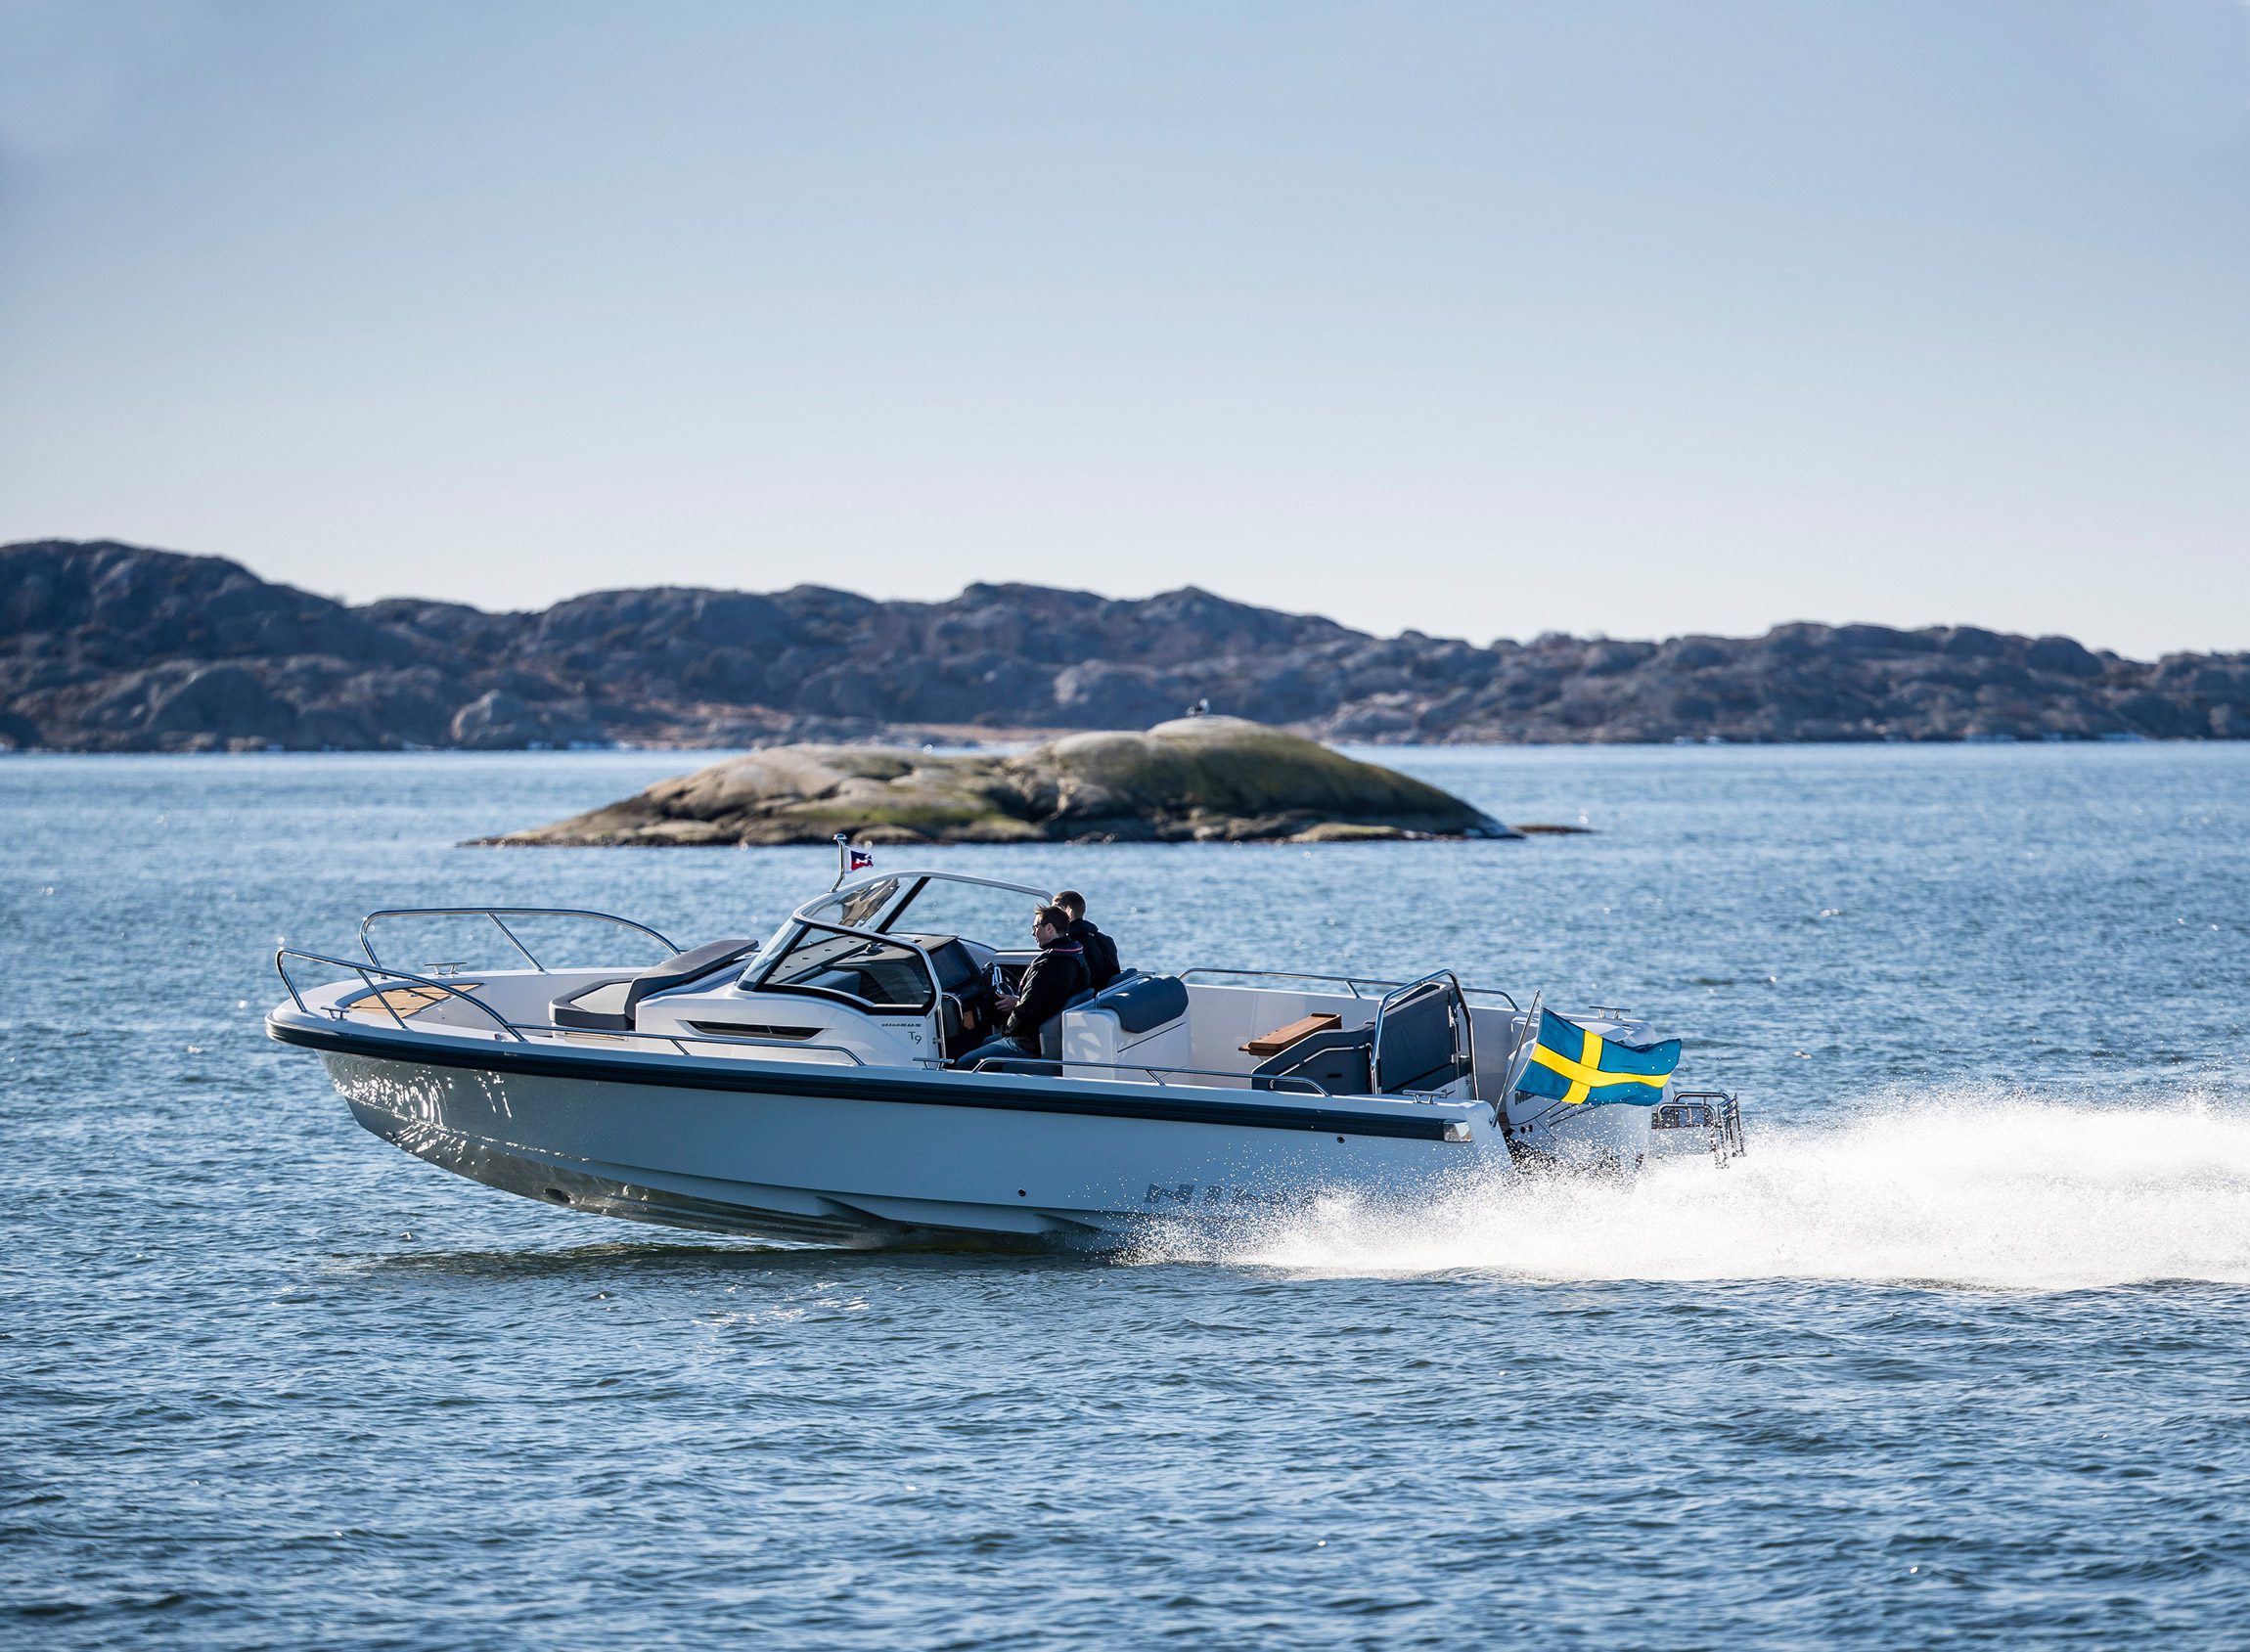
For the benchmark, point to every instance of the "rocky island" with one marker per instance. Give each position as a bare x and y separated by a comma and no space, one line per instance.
1197,778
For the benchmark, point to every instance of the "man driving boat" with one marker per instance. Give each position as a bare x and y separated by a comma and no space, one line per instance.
1056,976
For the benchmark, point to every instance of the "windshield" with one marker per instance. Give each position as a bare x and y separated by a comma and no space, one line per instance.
997,915
879,974
855,906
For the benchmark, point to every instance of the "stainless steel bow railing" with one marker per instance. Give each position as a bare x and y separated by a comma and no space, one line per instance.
367,974
519,1031
499,916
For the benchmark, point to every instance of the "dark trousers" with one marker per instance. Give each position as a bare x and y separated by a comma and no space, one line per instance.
1003,1045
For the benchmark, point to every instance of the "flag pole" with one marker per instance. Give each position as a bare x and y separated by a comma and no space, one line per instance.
1521,1057
844,860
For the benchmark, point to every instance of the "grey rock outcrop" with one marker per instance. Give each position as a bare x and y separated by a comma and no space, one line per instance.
1201,779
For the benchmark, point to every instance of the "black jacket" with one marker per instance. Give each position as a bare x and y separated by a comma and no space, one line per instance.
1055,978
1100,951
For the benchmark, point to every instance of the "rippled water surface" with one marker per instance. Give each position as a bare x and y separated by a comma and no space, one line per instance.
1961,1352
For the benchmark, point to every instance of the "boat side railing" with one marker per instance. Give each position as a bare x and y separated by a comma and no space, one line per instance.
520,1032
371,974
499,916
681,1041
1397,994
1507,998
1352,983
1311,1085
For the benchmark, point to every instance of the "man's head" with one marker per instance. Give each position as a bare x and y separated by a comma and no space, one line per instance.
1049,923
1073,903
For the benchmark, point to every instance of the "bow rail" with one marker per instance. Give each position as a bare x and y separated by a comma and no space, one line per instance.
519,1030
499,916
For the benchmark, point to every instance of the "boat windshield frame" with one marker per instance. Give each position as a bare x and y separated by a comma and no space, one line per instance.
831,910
825,912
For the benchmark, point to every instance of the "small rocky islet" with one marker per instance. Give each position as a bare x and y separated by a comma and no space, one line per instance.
1193,780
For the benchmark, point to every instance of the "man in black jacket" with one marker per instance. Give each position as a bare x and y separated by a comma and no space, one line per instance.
1102,967
1055,978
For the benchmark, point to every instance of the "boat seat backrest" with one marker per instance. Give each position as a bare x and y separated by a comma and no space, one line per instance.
682,967
609,1005
1134,1018
1421,1045
1336,1061
597,1009
1079,1000
1142,1003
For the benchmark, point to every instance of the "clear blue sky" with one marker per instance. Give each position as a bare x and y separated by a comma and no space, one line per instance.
1485,319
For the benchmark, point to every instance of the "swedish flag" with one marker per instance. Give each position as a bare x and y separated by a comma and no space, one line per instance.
1568,1063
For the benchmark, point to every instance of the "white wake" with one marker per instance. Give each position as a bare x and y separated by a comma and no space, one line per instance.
1987,1189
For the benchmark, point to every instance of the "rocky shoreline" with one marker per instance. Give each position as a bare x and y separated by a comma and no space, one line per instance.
1193,780
112,648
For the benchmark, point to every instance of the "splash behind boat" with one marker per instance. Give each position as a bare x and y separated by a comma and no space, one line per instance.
801,1088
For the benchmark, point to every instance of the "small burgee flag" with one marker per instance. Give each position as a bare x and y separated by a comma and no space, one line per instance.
861,859
1568,1063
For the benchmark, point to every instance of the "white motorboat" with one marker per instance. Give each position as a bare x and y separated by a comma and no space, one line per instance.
799,1087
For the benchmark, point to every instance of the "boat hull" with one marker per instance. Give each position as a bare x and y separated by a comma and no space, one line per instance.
853,1157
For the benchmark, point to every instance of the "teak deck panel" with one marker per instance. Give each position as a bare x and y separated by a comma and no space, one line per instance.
403,1000
1281,1037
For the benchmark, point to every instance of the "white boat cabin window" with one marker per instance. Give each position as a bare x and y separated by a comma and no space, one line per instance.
874,974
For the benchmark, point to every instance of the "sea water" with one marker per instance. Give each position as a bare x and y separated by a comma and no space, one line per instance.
1960,1352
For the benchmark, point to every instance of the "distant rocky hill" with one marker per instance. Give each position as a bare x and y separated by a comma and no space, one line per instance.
111,648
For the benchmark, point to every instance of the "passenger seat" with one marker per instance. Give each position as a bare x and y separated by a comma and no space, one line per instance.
1134,1019
609,1007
